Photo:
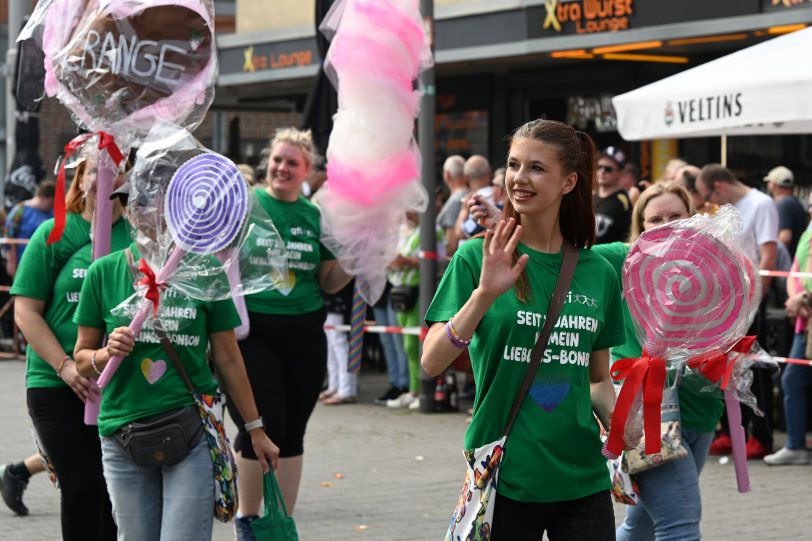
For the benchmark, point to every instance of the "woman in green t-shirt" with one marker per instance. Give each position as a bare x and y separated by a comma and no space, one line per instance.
168,494
286,351
495,293
670,505
47,287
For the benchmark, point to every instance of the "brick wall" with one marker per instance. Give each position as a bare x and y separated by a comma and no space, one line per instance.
256,127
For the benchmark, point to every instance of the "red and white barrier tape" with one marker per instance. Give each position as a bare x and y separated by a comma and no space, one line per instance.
379,329
788,360
784,274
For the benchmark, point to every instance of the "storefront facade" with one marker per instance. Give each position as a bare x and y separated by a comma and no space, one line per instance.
502,62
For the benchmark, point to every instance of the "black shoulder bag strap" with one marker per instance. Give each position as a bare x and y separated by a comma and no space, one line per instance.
171,352
562,286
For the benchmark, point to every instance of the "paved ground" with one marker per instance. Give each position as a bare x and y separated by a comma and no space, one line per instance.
401,474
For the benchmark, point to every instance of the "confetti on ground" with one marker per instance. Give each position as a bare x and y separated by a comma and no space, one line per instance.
326,484
361,528
724,460
339,476
419,458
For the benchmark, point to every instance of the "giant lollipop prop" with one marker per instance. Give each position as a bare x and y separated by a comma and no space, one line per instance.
205,207
689,293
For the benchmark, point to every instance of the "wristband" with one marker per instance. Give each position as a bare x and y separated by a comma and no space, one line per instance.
257,423
59,368
93,363
454,338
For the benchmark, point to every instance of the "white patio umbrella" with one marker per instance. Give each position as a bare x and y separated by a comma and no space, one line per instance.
761,90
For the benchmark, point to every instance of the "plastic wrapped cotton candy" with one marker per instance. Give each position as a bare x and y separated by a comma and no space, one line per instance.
373,165
187,205
122,65
692,290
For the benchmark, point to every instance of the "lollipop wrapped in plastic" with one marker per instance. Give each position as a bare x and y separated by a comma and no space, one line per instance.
692,290
120,66
188,205
373,167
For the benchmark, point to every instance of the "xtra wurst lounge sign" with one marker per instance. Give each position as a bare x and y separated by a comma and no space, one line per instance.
696,111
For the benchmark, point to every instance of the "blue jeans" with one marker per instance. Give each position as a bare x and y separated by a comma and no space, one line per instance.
392,348
670,506
795,382
173,503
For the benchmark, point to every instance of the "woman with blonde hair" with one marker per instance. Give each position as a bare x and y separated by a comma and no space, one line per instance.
286,351
670,504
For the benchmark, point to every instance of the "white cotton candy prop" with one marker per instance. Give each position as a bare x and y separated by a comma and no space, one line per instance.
373,164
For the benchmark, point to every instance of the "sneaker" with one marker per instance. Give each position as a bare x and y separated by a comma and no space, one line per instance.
755,449
390,394
242,528
403,401
415,405
12,489
785,456
721,445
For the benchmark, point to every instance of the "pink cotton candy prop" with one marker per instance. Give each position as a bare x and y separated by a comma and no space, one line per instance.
373,169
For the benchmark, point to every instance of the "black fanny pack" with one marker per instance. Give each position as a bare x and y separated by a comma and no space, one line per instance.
161,440
403,298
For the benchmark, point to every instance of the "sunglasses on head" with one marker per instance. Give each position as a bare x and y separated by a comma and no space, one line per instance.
607,168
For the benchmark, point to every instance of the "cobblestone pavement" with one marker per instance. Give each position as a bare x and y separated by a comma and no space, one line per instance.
401,476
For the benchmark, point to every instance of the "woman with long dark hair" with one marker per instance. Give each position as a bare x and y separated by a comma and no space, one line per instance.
494,296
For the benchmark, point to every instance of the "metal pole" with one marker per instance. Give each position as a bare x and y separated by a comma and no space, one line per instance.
428,235
16,11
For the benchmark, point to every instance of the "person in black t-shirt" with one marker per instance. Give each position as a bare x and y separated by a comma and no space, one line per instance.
613,210
792,216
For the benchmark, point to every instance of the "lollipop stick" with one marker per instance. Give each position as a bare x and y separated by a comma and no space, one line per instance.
734,421
102,226
143,312
103,220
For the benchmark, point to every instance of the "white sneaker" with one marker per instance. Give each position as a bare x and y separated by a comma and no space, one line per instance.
415,405
785,456
403,401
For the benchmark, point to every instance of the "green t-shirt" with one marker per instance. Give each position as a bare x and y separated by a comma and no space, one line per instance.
54,274
700,409
299,224
554,450
146,383
409,246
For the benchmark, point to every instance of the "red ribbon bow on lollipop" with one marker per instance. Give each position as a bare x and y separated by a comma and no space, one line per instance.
717,368
106,143
646,372
153,286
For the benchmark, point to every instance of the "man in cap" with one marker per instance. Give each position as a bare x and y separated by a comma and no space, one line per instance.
613,209
792,216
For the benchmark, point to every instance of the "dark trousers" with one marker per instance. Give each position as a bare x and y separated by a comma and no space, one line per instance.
591,518
75,451
286,360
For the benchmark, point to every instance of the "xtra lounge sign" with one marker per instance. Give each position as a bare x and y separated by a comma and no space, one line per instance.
587,16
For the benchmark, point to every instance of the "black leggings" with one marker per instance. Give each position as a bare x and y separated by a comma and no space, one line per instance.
591,518
75,451
286,360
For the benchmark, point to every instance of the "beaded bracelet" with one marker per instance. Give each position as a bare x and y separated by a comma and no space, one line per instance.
454,338
93,363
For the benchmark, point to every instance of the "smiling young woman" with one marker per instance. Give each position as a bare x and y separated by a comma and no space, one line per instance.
553,477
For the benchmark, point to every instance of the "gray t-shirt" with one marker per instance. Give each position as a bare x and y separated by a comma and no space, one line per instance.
447,216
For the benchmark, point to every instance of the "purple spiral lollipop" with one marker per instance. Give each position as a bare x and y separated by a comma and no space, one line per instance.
206,204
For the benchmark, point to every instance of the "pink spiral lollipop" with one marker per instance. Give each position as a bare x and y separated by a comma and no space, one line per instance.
687,292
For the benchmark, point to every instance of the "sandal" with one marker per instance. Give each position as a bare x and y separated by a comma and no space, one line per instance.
338,399
324,395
